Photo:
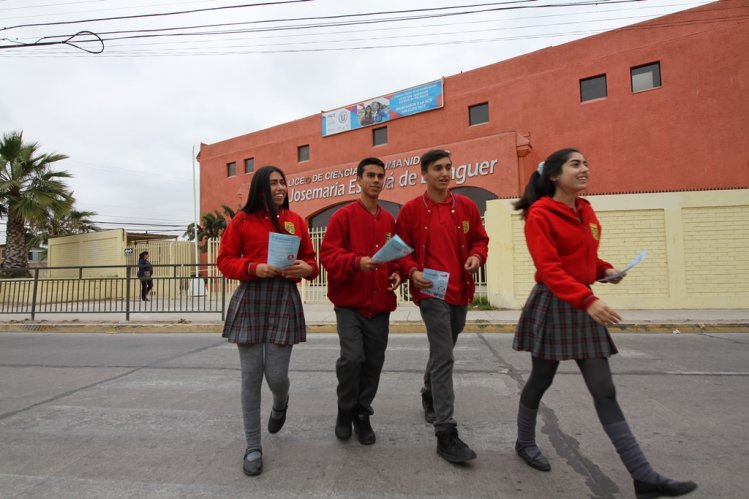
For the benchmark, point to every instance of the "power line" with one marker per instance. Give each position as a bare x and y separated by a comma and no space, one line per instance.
334,20
160,14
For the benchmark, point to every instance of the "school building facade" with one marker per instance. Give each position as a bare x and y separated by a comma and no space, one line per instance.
660,109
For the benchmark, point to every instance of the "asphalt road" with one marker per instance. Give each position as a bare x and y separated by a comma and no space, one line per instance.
158,415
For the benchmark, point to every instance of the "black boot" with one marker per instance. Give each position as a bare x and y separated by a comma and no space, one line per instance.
363,428
428,404
343,423
451,448
668,488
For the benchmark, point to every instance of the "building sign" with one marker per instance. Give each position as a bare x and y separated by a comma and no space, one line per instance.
384,108
400,173
128,251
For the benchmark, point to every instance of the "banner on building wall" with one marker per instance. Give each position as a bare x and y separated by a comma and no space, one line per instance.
383,108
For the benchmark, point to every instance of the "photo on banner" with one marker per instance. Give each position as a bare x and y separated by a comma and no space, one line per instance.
384,108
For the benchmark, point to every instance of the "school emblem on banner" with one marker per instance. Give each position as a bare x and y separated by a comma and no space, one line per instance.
289,226
466,226
594,231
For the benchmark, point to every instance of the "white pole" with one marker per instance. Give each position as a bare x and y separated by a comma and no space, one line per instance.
195,211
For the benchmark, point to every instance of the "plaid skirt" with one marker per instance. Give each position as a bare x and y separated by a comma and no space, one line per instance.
266,311
552,329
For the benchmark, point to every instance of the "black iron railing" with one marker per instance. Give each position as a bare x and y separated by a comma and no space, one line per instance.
115,289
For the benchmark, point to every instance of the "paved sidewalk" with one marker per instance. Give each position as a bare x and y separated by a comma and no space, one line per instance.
321,319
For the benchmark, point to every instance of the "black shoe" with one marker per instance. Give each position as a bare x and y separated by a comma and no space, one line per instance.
533,457
363,429
451,448
428,404
253,467
669,488
275,425
343,423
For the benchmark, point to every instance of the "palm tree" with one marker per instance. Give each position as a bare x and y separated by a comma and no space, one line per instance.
29,191
212,227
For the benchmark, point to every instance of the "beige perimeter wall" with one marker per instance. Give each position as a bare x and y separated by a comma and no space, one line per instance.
697,243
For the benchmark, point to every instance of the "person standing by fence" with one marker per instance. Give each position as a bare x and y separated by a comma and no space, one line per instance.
145,275
362,292
562,318
265,317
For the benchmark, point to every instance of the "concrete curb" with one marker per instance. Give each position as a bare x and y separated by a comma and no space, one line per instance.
395,327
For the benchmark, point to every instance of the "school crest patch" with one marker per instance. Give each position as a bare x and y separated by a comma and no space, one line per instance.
388,236
466,226
289,226
594,231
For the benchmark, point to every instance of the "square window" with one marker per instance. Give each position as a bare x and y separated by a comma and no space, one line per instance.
593,88
478,114
380,136
231,169
646,77
249,165
302,153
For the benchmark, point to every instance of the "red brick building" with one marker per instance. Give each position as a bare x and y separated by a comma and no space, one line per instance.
657,106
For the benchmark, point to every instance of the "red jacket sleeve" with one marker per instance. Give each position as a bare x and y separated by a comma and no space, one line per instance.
230,260
334,255
549,266
404,227
479,244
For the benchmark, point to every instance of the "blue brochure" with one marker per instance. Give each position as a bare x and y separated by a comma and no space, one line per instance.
282,249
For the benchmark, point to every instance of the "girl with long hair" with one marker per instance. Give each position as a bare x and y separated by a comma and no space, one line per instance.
562,318
265,316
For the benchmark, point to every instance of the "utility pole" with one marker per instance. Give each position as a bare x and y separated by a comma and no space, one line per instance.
195,213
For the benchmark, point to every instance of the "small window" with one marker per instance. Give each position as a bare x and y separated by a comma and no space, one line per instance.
380,136
302,153
478,114
249,165
231,169
646,77
593,88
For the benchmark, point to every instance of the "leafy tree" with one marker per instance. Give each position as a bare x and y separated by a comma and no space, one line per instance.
213,225
63,224
29,191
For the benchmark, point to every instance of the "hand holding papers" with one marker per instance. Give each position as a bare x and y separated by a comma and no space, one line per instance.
395,248
631,264
439,283
282,249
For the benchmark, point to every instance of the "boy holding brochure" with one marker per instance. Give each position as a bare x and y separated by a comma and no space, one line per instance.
361,288
450,243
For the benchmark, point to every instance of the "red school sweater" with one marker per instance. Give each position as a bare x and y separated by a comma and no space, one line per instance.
470,239
353,232
244,244
564,247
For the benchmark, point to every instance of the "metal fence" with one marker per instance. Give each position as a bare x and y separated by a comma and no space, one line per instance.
115,289
316,291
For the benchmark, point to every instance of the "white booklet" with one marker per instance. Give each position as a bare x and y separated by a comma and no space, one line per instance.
282,249
439,283
631,264
395,248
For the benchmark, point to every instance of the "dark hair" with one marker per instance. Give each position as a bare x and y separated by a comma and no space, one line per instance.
430,157
260,200
540,184
142,255
368,161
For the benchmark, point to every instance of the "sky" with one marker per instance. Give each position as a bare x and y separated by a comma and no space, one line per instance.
140,84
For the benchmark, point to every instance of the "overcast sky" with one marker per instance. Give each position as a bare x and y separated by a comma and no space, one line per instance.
130,116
